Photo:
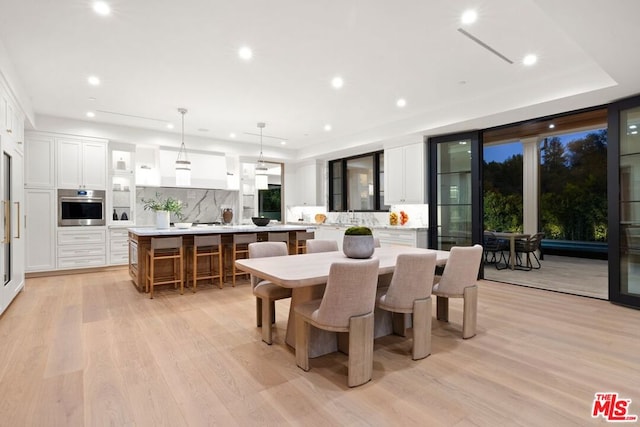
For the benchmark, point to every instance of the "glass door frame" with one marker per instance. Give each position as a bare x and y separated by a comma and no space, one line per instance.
614,191
476,184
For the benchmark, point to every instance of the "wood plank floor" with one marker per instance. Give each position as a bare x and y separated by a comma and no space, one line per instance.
88,349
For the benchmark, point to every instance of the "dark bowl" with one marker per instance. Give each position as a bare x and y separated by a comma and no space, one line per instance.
260,221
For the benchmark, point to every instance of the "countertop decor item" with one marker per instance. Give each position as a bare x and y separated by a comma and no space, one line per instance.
320,218
163,208
227,215
260,220
358,242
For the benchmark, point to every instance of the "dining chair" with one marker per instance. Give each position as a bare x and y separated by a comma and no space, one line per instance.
321,245
410,292
492,246
459,280
346,307
267,293
528,247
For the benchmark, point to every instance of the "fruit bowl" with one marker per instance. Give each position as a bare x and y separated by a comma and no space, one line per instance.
260,221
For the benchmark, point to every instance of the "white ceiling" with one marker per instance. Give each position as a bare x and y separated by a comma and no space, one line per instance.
154,56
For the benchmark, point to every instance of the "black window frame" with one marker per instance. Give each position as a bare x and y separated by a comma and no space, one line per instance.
377,185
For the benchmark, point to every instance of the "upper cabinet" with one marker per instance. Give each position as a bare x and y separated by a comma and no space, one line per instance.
39,167
81,164
404,175
11,119
308,181
122,184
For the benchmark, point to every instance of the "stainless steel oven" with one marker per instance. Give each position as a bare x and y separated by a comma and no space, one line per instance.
81,207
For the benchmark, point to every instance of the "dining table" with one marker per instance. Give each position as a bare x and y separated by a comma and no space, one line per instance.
512,236
306,275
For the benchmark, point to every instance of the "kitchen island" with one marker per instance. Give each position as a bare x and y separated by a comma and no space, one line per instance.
140,241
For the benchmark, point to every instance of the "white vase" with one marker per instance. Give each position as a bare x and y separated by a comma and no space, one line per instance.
162,219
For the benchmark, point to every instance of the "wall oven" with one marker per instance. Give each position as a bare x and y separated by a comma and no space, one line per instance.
81,207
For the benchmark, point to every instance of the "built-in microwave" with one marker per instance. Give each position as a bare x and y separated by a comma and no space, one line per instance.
81,207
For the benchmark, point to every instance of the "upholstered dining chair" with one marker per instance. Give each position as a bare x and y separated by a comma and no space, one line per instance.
347,306
459,280
321,245
410,292
267,293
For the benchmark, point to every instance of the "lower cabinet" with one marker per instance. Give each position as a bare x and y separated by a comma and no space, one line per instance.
82,248
118,246
416,238
40,228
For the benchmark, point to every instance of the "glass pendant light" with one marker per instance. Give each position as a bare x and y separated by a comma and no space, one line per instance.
262,180
183,166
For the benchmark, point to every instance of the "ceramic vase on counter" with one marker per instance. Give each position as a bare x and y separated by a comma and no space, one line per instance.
162,219
227,216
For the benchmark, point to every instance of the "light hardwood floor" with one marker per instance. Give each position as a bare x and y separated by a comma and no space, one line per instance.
88,349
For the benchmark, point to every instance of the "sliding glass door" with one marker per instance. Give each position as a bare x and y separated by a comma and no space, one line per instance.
624,210
455,214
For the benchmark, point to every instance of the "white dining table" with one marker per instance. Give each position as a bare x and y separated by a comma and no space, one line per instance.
306,274
512,244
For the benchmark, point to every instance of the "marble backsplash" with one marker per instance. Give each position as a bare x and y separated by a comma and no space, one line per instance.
199,205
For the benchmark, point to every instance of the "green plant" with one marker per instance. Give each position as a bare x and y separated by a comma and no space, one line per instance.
159,204
358,231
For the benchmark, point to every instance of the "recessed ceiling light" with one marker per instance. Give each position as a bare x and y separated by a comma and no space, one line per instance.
551,126
245,53
530,59
283,142
91,114
93,80
469,17
170,126
101,8
635,132
401,103
632,126
232,135
91,98
327,127
337,82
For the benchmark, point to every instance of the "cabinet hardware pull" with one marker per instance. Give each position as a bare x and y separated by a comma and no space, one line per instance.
18,216
7,222
9,131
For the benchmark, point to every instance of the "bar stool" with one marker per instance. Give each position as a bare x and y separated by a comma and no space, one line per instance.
280,237
240,250
211,248
301,241
164,248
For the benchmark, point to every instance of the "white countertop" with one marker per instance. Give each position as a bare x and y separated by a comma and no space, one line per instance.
222,229
375,227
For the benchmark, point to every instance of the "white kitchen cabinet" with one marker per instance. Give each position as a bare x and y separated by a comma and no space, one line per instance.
331,232
39,158
404,175
122,192
40,228
398,236
118,246
81,164
309,180
81,247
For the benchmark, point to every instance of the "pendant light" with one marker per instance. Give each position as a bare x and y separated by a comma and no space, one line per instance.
262,181
183,166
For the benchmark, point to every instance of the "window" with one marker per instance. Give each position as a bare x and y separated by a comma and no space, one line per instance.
355,183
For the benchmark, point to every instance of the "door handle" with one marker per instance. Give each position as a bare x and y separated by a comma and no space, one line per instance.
7,222
18,216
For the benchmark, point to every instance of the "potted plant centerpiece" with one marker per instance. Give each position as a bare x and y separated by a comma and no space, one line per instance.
358,242
163,207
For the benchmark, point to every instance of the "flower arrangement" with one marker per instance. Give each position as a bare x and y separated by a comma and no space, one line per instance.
169,204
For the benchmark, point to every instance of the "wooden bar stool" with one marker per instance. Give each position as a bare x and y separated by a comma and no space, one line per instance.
163,249
240,250
209,248
280,237
301,241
